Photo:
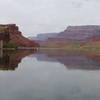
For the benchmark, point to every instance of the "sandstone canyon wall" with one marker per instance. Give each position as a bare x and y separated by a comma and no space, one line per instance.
14,36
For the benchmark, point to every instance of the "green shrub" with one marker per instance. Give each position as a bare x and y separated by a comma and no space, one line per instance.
9,45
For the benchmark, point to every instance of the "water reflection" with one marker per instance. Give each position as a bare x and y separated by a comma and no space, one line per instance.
42,75
9,60
71,59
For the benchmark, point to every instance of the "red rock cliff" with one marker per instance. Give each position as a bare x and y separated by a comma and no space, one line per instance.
16,37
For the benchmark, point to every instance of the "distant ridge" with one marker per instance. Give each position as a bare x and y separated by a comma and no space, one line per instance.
72,34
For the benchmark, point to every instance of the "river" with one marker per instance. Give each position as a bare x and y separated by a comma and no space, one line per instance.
49,75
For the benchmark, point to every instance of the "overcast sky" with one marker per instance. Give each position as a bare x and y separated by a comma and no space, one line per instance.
45,16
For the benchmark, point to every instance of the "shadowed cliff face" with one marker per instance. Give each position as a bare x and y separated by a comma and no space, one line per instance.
11,61
72,60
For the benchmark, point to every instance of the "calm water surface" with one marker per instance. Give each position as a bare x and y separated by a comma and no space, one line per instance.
49,75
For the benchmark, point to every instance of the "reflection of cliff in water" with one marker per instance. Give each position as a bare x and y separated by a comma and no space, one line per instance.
72,60
10,61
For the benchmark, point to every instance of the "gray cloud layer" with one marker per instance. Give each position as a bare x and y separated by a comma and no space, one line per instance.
39,16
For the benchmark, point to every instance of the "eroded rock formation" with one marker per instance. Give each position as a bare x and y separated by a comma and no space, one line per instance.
13,35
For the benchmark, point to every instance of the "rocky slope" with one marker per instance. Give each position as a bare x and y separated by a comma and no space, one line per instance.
15,36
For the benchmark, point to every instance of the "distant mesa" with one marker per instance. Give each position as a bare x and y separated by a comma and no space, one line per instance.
73,34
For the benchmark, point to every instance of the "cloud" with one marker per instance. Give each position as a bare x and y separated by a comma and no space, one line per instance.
39,16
